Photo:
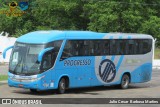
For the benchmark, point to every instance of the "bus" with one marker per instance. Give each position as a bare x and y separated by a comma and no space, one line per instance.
45,60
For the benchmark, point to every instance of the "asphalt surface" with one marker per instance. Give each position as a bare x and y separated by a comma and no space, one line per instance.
143,90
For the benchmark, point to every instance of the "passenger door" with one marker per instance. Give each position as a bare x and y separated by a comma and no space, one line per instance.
80,67
73,59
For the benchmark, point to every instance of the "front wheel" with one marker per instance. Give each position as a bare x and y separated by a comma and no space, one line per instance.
62,86
125,81
33,90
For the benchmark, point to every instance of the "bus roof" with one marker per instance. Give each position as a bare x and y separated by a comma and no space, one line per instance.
42,37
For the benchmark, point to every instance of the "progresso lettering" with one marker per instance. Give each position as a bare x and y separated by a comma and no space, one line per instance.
77,62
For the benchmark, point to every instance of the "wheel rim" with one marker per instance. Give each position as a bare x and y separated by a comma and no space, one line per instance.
125,82
63,85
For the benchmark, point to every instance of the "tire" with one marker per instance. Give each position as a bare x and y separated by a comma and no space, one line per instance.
62,86
125,82
33,90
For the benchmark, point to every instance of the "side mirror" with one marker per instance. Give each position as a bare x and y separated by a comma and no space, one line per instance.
40,55
5,51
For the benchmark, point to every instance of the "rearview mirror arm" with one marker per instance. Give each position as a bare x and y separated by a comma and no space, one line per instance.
40,55
5,51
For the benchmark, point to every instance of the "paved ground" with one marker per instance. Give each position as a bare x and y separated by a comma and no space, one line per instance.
144,90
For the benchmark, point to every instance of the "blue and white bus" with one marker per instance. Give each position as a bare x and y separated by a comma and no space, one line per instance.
44,60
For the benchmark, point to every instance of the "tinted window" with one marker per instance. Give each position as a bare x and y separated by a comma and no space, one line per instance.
113,47
50,57
122,47
130,47
47,61
86,48
57,45
146,45
106,47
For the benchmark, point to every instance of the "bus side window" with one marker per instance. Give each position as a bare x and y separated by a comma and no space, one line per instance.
137,46
113,47
130,47
105,47
146,46
98,50
91,47
47,61
149,45
57,45
67,51
121,47
81,48
75,48
143,46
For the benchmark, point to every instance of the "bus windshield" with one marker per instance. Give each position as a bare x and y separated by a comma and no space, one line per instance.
24,59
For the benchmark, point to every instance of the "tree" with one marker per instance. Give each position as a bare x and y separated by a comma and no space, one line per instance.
152,27
128,16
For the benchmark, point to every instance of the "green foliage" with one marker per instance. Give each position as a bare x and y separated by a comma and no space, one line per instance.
157,53
152,27
3,77
129,16
20,32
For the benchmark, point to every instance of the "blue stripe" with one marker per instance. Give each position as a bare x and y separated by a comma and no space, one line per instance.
113,57
120,37
119,62
103,57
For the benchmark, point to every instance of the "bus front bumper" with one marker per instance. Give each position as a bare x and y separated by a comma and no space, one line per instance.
26,85
38,82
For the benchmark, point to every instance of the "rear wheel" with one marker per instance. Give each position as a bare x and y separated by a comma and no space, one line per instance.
125,81
62,86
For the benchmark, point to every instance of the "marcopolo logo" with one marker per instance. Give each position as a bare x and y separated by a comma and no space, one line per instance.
107,70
